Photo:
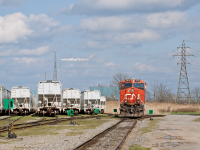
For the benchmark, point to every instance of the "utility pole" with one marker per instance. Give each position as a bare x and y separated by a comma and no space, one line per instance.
183,90
55,68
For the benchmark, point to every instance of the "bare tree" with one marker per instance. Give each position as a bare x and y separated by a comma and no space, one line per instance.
195,93
161,92
148,97
154,87
117,78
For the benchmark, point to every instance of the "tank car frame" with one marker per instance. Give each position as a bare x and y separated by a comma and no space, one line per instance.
91,100
23,100
49,97
71,100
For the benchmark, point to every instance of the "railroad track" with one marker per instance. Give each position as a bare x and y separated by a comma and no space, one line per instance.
5,118
112,137
43,122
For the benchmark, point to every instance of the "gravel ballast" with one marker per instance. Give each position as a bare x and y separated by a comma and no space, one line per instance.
59,141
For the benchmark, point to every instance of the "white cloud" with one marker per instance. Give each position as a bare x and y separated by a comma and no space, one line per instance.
131,31
14,28
25,60
11,2
69,66
119,7
143,67
99,24
166,20
24,52
109,64
37,51
137,37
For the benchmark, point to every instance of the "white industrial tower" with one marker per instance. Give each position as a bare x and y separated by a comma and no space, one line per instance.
55,68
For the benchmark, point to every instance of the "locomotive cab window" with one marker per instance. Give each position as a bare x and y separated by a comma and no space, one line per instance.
125,85
139,85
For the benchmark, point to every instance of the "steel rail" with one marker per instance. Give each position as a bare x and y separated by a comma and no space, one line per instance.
125,136
82,144
44,122
5,118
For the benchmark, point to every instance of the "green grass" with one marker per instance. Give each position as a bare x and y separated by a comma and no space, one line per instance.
184,113
198,120
6,122
83,125
6,142
138,148
152,125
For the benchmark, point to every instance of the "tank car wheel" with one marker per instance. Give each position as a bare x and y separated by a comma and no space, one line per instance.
76,112
54,113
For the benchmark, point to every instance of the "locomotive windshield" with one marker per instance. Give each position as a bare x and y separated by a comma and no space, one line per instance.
139,85
126,85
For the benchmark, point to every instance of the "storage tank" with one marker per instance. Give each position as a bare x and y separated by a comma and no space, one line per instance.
90,100
71,100
4,94
23,100
49,97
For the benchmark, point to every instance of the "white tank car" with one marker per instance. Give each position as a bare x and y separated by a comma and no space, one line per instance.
4,94
23,100
49,97
90,100
71,100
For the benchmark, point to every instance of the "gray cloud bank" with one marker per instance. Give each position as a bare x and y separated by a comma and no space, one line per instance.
122,7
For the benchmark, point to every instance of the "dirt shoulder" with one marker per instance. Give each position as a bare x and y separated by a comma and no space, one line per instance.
171,132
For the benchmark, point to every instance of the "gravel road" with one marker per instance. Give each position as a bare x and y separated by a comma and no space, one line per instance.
172,132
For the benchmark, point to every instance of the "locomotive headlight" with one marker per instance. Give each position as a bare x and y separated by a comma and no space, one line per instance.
132,90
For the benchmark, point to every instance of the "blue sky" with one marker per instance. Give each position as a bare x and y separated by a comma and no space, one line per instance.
135,37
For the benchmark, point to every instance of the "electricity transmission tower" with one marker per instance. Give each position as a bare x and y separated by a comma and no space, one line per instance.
183,90
55,68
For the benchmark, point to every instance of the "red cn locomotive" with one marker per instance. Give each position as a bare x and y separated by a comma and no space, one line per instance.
132,97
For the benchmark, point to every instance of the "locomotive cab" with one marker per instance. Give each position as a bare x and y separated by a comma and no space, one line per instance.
132,97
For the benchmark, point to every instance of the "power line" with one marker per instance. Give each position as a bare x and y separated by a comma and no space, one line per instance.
183,90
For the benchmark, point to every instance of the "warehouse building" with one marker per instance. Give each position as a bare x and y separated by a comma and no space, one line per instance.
111,92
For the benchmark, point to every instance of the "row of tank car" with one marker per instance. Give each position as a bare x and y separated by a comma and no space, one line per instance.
52,100
23,100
